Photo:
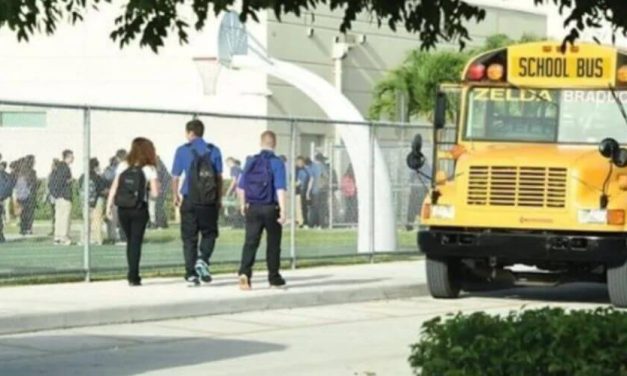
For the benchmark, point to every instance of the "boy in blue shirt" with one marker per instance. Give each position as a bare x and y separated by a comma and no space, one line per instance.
196,218
262,188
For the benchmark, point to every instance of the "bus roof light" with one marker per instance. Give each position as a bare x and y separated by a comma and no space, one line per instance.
621,75
574,49
495,72
476,72
546,49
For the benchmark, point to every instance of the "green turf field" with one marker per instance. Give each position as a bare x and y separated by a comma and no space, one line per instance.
37,255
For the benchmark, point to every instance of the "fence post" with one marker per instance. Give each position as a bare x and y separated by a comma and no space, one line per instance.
86,177
331,174
371,182
292,191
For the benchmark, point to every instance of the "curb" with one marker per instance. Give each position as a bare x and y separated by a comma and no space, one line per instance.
178,310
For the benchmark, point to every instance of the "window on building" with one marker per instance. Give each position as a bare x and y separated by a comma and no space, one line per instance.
22,119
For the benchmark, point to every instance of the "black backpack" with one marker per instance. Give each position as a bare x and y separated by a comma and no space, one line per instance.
203,181
131,188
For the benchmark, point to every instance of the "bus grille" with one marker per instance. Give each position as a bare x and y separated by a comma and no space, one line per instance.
537,187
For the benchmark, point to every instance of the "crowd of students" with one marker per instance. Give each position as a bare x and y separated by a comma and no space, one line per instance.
315,183
19,185
129,195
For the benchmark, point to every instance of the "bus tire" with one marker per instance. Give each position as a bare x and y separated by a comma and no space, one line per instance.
443,278
617,284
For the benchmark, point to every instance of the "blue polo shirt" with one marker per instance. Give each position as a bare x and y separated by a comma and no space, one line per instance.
278,173
302,176
184,157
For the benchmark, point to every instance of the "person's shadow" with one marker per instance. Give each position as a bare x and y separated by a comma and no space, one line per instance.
131,355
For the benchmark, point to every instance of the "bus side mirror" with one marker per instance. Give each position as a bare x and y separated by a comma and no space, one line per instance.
415,159
608,148
620,158
439,116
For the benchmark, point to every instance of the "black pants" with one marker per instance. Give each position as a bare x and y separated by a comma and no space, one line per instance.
415,202
161,216
133,223
1,220
304,208
197,220
27,215
351,210
258,218
320,209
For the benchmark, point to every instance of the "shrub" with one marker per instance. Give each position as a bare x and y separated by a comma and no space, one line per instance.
548,341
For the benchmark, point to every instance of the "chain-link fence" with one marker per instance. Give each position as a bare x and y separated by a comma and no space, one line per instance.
350,192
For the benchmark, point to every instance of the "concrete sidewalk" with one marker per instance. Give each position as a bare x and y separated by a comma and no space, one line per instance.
44,307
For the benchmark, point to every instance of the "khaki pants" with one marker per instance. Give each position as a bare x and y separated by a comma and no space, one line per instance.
152,210
96,215
299,210
62,219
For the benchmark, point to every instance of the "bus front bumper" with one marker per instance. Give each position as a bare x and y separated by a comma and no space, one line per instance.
524,247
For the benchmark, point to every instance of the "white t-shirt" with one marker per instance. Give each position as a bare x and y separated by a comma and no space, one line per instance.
150,172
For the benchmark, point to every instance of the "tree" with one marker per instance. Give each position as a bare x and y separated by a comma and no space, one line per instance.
151,21
419,76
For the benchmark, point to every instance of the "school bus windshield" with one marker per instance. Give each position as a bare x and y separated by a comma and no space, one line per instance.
544,115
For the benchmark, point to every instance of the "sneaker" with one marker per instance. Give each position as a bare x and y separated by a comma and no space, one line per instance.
134,284
278,283
193,281
244,283
202,269
120,244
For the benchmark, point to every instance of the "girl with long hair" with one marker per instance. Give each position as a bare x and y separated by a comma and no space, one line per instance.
133,220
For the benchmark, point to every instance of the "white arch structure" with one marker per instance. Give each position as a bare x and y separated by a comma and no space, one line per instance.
356,139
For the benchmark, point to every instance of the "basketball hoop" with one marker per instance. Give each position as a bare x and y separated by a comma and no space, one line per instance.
209,70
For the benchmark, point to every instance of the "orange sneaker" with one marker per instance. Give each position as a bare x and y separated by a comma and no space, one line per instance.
244,283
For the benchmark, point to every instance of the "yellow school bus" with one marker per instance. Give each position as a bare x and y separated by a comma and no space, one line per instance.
537,175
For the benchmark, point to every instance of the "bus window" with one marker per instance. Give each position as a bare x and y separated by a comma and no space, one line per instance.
504,114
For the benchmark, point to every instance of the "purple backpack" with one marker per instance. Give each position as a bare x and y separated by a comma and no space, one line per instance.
259,183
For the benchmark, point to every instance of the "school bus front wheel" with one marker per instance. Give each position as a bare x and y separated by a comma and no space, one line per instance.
617,284
444,277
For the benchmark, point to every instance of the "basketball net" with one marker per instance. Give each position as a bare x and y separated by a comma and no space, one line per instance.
209,70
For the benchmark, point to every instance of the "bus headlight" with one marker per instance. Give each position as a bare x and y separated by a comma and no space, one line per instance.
442,212
592,216
601,216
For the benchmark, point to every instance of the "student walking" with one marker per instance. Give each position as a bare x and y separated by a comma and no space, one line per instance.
96,197
114,232
129,193
26,193
6,190
262,189
60,186
303,192
201,191
349,194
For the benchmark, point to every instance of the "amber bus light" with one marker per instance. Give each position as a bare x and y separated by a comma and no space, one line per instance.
616,217
621,75
495,72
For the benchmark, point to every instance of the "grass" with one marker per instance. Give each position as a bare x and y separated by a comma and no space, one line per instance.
36,260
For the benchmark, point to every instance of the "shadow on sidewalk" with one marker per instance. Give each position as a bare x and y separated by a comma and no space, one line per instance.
566,293
64,356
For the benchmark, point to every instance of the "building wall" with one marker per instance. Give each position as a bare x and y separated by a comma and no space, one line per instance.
81,65
365,64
